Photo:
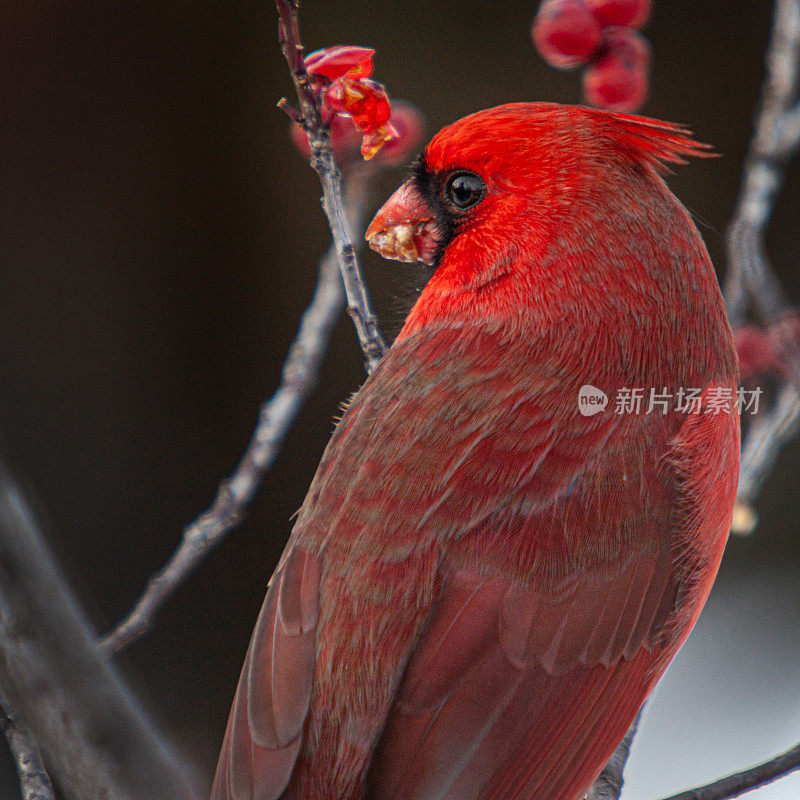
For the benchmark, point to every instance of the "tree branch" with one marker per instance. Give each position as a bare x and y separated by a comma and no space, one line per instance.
751,280
95,738
767,434
322,160
299,377
747,780
609,783
33,778
774,142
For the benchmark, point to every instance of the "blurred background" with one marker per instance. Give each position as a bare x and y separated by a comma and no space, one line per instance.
158,242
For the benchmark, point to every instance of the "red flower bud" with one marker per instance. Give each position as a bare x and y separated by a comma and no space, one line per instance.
375,138
368,104
628,13
617,79
410,127
565,32
334,62
405,129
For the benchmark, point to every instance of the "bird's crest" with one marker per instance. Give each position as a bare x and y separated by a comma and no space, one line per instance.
654,142
647,141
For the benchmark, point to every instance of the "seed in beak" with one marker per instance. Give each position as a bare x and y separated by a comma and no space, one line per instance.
404,229
397,242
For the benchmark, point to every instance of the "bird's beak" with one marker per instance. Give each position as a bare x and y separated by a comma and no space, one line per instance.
405,228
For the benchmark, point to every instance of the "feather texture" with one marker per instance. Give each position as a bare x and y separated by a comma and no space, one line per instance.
483,584
264,731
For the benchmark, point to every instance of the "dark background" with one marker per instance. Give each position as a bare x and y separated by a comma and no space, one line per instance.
158,242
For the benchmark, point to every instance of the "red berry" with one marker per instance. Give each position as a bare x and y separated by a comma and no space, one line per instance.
784,336
755,351
339,77
345,138
365,100
373,110
617,79
628,13
565,32
336,96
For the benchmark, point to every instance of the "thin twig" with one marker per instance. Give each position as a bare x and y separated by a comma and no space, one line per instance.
97,742
609,783
776,137
299,377
323,162
34,781
747,780
767,434
751,279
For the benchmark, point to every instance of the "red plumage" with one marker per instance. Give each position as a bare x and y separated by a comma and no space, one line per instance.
483,584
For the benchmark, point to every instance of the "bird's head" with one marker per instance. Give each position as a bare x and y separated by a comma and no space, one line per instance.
499,183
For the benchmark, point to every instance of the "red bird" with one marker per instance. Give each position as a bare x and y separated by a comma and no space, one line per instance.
486,580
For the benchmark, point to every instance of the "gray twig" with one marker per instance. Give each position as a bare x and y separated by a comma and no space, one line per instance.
95,739
33,778
609,783
750,280
324,164
298,379
767,434
775,140
747,780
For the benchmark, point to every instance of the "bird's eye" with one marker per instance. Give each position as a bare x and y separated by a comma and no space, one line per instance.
464,190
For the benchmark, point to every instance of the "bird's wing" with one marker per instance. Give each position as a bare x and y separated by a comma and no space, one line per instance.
521,690
442,453
264,732
385,471
507,686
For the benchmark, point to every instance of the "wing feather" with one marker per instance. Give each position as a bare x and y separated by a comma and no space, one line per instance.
264,731
522,648
494,600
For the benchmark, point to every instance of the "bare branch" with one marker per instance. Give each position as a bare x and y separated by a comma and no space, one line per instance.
790,131
97,742
609,783
33,778
319,140
298,379
774,142
751,280
747,780
767,434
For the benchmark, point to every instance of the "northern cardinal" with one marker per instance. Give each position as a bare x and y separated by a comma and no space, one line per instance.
486,579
